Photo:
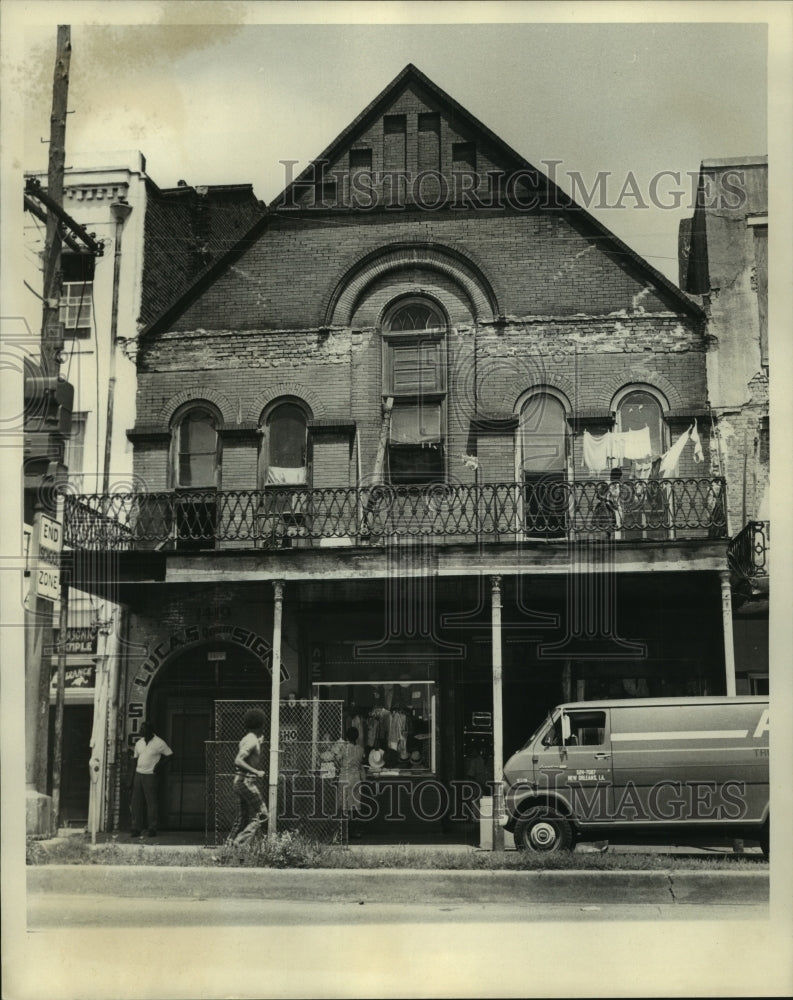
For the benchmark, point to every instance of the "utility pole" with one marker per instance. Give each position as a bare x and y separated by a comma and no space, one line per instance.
44,433
51,336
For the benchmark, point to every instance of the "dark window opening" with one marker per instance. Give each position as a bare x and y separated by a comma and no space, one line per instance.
77,294
543,438
429,142
197,450
360,159
415,464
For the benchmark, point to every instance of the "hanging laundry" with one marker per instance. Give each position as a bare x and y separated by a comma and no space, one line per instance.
286,477
642,470
597,452
698,456
670,458
636,444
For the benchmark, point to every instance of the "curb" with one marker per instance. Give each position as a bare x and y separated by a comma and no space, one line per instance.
665,886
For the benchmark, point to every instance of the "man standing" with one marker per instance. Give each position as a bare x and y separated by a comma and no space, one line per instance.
149,751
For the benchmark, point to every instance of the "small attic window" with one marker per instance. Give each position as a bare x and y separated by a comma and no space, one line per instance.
429,144
463,157
360,160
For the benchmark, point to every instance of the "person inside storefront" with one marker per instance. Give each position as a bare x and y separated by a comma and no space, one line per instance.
150,750
350,761
251,811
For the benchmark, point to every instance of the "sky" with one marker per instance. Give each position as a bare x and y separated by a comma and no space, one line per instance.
211,97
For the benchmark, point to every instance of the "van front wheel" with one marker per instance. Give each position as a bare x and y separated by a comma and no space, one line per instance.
543,831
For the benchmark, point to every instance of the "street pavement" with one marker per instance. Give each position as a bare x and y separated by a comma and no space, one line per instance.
98,895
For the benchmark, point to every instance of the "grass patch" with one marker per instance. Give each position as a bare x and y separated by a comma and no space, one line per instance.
292,851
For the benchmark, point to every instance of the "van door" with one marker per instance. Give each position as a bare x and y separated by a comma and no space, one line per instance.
575,763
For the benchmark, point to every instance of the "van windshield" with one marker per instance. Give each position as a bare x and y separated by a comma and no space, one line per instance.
543,727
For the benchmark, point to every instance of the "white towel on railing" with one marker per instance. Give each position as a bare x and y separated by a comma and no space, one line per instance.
286,477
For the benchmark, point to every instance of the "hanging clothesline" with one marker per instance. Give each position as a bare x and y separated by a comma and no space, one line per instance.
614,447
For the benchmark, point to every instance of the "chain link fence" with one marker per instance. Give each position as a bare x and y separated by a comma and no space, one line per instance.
308,801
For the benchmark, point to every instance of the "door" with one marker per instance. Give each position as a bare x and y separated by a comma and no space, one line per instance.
187,728
574,761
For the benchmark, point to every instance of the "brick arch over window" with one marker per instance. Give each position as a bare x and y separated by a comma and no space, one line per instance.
563,385
478,288
638,377
197,395
310,399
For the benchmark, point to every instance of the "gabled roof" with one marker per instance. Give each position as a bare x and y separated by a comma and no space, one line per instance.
412,75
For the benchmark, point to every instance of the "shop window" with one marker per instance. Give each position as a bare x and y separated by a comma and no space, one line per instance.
415,377
77,295
758,684
196,474
543,443
396,722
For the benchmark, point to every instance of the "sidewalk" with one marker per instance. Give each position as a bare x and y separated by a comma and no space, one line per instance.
667,886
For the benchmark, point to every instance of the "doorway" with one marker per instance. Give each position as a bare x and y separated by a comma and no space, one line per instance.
182,709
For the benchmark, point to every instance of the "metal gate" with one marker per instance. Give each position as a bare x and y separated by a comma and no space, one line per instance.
308,802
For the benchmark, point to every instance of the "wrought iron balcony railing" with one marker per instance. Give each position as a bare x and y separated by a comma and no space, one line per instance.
630,510
749,550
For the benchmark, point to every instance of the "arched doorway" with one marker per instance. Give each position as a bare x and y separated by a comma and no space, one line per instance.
181,707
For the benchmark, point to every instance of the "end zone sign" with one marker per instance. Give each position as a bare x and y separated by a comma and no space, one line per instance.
47,573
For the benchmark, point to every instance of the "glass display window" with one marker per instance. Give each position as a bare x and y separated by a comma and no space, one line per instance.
396,723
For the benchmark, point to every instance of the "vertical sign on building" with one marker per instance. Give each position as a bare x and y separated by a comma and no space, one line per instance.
47,553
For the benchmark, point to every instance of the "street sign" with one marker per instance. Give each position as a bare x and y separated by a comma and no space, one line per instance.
50,534
47,573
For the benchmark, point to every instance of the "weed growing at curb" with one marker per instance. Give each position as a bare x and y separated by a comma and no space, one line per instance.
292,851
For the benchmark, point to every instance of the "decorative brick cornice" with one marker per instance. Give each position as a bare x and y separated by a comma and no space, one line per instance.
108,192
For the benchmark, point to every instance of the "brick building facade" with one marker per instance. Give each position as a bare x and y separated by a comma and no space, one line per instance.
388,406
725,261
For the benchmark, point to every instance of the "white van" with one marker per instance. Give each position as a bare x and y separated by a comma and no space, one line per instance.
655,764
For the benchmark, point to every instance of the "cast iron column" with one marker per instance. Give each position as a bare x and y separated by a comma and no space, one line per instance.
726,616
498,719
275,705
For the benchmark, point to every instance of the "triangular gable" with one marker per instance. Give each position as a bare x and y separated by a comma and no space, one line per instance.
326,184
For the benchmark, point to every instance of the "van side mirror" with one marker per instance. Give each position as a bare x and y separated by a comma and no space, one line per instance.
565,728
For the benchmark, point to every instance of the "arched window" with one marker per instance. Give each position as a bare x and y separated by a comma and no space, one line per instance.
196,475
414,376
285,445
543,463
196,449
640,410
